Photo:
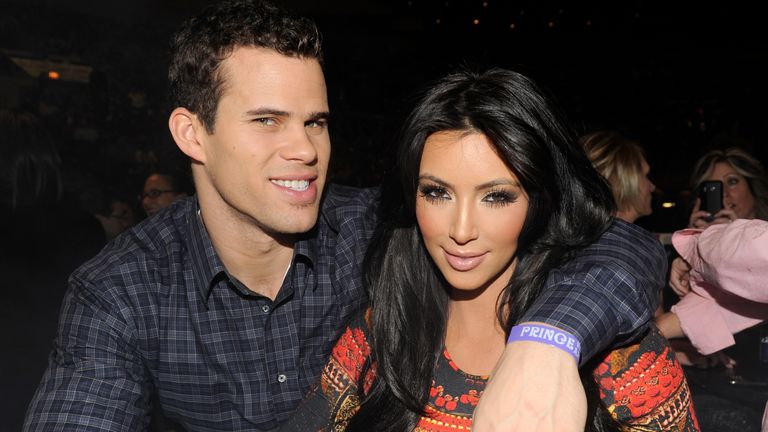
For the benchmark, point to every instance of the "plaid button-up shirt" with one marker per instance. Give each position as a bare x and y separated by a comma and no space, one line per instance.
157,312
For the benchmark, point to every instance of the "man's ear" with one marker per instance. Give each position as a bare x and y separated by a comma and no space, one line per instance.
188,132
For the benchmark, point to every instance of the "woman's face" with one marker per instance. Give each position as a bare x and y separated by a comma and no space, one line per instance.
470,209
736,193
646,191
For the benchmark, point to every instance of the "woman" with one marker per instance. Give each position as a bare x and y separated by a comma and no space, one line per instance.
745,196
622,162
494,192
710,310
745,186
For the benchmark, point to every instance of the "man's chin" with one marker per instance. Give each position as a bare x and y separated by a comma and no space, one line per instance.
298,225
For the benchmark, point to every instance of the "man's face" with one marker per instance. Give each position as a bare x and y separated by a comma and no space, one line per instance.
268,155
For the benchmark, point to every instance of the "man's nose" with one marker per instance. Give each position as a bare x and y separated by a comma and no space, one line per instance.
299,147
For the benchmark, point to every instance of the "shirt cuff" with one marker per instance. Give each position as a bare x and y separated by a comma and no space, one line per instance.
588,316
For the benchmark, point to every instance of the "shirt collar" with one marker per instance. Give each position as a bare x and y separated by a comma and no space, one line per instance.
206,264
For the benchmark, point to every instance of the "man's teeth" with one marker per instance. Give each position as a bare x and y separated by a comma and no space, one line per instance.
297,185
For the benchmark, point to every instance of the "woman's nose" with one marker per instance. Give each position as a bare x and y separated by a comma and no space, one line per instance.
463,229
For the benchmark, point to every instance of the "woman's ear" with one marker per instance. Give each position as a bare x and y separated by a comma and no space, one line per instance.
188,133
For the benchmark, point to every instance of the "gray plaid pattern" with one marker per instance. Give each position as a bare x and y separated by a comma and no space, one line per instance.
156,311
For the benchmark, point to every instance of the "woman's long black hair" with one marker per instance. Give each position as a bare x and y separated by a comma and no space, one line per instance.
570,205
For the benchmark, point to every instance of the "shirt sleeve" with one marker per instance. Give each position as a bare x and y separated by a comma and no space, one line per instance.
95,379
606,295
729,266
733,257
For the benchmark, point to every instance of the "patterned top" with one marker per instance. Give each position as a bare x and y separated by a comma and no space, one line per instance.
453,396
157,312
642,387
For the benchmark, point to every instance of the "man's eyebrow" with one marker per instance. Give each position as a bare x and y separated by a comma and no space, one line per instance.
267,111
316,115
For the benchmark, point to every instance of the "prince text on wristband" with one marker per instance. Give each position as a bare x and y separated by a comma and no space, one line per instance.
548,335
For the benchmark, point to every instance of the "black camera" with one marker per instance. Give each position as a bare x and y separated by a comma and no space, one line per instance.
711,196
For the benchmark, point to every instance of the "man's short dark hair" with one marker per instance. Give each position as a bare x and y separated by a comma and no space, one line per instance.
204,41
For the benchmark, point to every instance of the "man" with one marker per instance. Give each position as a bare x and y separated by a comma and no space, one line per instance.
226,304
161,188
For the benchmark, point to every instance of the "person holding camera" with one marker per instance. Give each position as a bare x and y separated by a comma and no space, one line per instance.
744,186
720,274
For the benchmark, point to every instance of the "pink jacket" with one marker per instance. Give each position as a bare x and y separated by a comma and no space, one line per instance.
729,281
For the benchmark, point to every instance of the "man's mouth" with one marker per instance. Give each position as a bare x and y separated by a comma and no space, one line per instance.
296,185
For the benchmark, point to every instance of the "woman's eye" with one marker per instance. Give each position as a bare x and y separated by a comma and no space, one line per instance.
434,193
732,181
499,198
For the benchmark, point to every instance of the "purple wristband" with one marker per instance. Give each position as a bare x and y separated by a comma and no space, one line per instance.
548,335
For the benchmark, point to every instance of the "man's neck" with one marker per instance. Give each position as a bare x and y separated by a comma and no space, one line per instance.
257,259
628,215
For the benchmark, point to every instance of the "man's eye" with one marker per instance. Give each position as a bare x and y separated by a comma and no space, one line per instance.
266,121
316,124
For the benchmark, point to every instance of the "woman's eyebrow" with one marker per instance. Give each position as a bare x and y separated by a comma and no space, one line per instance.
435,179
498,182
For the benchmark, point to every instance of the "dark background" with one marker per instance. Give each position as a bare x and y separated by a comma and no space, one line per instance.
681,77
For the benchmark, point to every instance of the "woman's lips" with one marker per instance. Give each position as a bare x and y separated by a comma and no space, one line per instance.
463,262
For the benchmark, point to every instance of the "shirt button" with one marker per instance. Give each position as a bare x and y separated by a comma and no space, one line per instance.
281,378
265,308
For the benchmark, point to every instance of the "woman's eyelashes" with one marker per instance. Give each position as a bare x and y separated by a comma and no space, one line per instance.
499,197
433,193
494,197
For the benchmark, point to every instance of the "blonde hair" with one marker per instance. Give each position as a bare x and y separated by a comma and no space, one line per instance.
620,161
745,165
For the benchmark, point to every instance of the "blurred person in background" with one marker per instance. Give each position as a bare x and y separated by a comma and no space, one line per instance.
745,196
111,207
745,186
161,188
718,277
43,236
622,163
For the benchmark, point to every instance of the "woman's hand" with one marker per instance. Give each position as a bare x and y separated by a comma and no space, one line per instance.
679,277
698,218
